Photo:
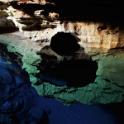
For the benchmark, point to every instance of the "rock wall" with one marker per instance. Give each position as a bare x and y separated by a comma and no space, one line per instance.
40,23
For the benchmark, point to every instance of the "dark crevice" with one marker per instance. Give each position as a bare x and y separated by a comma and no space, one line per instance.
91,10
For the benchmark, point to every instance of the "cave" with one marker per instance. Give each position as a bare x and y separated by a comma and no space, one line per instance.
76,67
61,62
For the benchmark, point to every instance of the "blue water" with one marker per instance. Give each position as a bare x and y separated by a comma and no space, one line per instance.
20,103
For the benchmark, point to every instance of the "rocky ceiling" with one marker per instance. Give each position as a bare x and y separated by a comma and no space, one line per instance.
27,26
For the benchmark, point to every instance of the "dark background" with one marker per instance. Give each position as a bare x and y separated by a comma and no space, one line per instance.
92,10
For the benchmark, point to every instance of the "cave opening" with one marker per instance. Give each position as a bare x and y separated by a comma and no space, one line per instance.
76,68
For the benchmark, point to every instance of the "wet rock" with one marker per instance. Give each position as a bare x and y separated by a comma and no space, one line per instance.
3,14
7,26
